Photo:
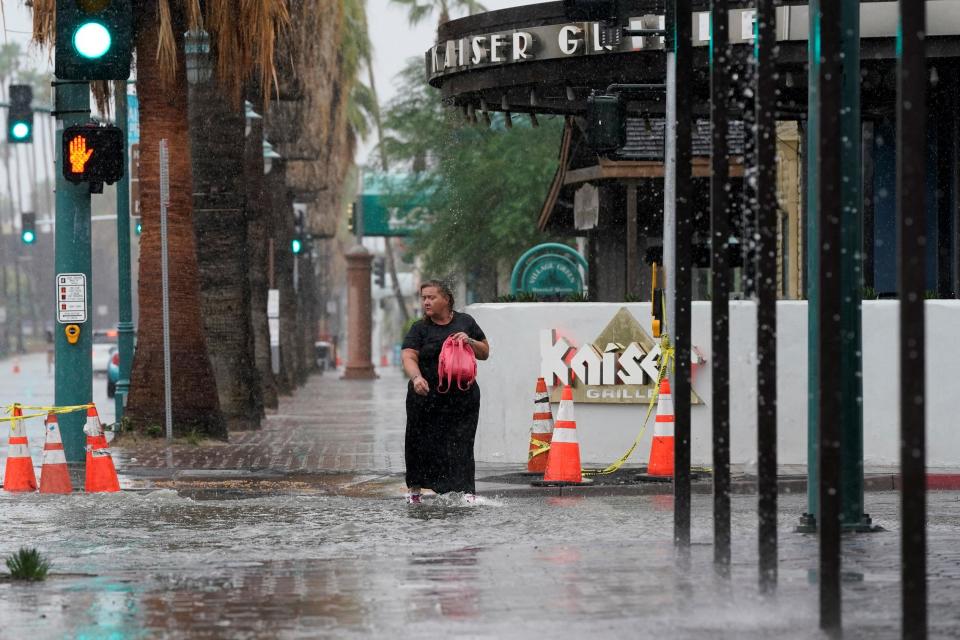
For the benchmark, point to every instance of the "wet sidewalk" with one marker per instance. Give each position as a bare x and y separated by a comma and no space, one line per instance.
345,437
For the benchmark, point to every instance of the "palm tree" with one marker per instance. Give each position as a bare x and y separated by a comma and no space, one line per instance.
244,36
308,123
217,128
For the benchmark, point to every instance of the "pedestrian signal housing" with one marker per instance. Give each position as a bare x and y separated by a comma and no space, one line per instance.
93,153
28,228
606,123
20,114
94,39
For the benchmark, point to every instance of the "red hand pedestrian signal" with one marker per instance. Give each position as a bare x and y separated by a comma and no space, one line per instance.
79,154
93,153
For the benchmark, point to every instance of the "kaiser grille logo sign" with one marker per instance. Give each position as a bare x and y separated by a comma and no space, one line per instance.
620,367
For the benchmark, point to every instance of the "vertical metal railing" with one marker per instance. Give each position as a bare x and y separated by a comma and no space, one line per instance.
683,267
720,288
912,251
829,208
766,286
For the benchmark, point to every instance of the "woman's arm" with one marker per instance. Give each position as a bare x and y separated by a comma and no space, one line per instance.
481,348
411,366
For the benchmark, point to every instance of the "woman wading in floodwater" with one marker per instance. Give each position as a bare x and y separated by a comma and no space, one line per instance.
440,426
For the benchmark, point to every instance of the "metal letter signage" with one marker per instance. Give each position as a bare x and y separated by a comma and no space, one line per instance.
516,46
71,298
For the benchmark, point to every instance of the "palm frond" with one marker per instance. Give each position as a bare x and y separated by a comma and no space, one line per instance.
44,22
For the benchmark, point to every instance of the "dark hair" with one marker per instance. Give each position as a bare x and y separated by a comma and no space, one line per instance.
440,286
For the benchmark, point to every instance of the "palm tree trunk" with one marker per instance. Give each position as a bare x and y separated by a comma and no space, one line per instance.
258,239
220,224
164,115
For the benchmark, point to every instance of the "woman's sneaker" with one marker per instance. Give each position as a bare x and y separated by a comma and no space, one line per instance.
414,498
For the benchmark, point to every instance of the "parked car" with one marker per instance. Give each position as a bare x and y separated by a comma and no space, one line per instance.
103,342
113,372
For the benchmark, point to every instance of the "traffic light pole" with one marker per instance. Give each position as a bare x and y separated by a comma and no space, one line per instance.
125,286
74,367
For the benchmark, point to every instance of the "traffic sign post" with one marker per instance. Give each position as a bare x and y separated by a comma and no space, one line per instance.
74,367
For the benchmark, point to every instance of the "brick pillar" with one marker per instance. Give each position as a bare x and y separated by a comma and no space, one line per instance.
359,316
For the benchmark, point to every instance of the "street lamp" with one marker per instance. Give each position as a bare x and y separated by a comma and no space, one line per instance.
250,115
269,155
197,52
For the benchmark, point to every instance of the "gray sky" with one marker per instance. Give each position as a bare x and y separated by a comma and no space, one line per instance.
395,41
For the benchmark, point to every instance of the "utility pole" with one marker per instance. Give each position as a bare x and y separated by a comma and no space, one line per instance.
125,287
74,368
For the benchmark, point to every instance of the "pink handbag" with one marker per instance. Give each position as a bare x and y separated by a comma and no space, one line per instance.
457,362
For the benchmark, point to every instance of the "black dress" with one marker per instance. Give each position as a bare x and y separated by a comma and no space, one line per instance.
441,427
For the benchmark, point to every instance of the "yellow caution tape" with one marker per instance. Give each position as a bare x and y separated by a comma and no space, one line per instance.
541,448
44,411
666,364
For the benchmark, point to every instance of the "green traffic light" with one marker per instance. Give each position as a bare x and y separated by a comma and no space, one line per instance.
92,40
139,228
296,245
28,237
20,130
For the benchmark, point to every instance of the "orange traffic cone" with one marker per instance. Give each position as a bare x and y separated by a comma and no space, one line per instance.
563,461
18,474
384,362
54,476
661,451
16,367
101,474
542,430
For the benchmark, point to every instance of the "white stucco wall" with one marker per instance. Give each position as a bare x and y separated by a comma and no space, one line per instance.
507,381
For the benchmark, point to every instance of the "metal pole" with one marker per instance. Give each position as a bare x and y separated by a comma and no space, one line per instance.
164,271
808,521
720,290
851,361
670,195
767,217
831,400
73,380
683,48
912,252
125,286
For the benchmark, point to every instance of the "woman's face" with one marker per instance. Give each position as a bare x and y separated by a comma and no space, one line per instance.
435,304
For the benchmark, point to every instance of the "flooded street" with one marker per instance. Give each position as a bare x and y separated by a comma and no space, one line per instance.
155,564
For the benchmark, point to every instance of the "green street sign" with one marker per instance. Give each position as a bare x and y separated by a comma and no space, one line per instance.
390,205
551,275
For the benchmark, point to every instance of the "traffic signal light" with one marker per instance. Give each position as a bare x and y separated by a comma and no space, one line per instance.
28,228
94,39
93,154
296,245
138,227
379,275
606,122
352,219
20,114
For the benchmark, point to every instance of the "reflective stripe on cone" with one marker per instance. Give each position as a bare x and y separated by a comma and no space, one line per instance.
54,474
